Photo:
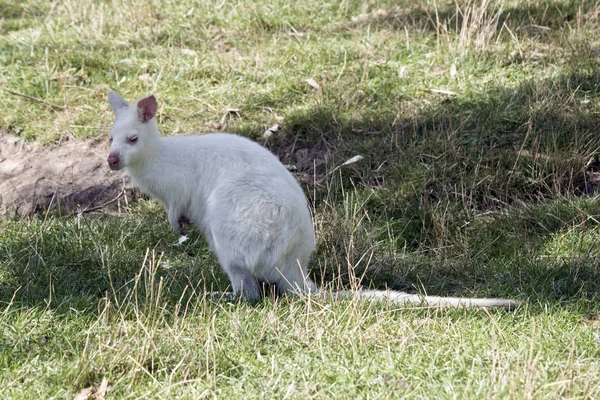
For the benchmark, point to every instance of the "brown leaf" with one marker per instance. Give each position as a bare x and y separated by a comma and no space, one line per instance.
313,83
188,52
453,70
353,160
269,132
101,390
84,394
230,113
592,319
402,72
442,91
96,393
146,78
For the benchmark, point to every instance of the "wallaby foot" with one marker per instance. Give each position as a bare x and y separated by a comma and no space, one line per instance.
182,221
243,283
177,221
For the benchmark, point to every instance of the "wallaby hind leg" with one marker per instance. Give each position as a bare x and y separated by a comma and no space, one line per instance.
176,220
294,279
243,282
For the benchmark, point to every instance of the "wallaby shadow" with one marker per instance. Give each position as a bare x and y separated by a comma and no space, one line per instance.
55,262
522,156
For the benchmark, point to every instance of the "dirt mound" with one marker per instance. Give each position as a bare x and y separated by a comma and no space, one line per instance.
307,163
73,176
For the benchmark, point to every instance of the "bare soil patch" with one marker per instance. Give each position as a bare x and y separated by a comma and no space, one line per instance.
307,163
71,176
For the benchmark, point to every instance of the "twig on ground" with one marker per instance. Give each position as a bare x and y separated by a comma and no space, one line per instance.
89,210
36,99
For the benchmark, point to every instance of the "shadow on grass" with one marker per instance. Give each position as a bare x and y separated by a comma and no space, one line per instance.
533,19
467,196
16,16
462,198
63,262
508,145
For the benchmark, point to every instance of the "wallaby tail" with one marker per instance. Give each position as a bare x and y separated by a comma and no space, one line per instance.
401,298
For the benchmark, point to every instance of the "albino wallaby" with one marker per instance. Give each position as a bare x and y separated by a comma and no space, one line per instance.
252,211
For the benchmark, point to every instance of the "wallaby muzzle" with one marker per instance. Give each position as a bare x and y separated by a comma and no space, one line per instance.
113,161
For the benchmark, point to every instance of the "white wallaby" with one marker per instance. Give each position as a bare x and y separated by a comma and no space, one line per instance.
252,211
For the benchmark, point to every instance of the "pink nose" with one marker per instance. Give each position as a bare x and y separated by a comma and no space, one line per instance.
113,159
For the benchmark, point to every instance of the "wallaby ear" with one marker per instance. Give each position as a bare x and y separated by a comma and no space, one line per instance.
117,103
147,108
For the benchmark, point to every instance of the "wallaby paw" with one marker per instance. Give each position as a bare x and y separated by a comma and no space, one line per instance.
181,222
182,239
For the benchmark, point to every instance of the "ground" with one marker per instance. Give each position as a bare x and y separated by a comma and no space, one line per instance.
72,176
445,147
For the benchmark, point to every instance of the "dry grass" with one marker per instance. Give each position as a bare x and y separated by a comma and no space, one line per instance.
477,123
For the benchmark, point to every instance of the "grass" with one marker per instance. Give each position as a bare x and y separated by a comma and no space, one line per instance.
477,121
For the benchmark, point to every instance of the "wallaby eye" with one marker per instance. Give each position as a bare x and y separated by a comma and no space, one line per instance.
110,139
132,139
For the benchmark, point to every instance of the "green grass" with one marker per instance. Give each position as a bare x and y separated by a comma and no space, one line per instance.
476,191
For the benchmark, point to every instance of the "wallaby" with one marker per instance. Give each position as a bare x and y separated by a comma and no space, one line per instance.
250,208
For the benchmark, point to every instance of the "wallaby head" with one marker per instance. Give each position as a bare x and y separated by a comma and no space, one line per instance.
134,131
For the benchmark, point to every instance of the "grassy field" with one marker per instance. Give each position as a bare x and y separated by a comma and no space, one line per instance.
479,125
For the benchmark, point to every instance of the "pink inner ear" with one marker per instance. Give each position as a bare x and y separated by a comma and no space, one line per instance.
147,108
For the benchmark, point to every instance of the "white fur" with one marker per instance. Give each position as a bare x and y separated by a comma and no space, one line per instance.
250,208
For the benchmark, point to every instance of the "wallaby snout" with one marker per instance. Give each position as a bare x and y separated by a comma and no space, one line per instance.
113,161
